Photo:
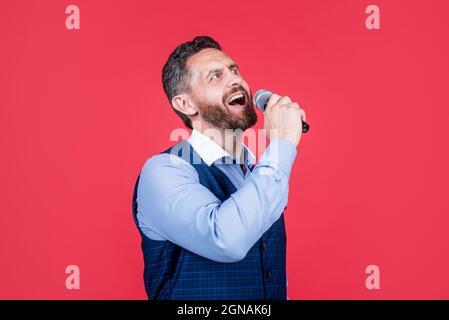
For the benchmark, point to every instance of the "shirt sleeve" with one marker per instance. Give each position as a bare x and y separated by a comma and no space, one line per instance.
174,206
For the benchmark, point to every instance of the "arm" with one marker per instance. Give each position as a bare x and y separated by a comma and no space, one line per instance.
175,206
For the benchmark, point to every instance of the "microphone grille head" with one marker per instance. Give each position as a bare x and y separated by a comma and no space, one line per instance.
261,99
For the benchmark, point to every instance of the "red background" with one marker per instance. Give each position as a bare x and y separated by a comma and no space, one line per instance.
80,112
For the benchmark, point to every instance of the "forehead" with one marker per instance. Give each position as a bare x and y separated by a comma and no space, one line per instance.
206,60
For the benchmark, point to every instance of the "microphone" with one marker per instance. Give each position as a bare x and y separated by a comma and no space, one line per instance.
261,100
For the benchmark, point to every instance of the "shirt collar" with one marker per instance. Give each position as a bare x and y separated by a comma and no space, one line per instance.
210,151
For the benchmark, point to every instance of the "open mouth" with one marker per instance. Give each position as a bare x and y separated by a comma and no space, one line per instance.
237,99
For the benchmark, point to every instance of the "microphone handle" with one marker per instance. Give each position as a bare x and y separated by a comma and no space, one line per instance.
305,127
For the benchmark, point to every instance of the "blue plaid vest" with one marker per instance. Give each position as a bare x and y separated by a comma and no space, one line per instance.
172,272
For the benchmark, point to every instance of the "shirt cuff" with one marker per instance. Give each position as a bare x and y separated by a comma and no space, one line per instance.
280,154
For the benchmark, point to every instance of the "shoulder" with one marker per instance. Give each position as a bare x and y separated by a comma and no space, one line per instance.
166,167
162,179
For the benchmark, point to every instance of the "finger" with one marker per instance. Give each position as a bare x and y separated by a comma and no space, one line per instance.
272,101
294,105
303,115
284,100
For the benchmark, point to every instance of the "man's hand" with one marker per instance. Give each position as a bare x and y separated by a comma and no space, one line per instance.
283,119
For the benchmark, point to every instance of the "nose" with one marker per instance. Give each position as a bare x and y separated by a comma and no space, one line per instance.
235,80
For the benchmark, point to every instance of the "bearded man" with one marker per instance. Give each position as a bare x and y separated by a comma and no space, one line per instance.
212,223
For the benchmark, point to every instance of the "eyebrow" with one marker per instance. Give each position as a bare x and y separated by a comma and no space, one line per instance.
230,66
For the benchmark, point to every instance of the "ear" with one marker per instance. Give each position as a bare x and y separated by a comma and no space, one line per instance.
182,103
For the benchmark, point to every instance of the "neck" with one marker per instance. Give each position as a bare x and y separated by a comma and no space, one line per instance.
230,140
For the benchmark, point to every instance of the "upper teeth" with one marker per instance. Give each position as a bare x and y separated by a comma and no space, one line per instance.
237,96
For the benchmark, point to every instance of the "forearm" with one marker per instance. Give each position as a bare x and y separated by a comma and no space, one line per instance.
251,211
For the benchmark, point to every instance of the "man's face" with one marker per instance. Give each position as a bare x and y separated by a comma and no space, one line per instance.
222,96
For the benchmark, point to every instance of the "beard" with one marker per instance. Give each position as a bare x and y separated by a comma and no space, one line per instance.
220,115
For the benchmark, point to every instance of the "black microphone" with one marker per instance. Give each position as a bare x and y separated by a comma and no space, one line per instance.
261,100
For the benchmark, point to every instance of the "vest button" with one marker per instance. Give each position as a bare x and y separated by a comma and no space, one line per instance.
268,274
263,246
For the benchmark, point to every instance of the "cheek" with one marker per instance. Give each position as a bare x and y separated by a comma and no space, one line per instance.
204,96
245,85
208,94
214,95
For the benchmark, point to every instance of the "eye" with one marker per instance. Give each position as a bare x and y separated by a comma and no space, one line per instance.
216,75
235,71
